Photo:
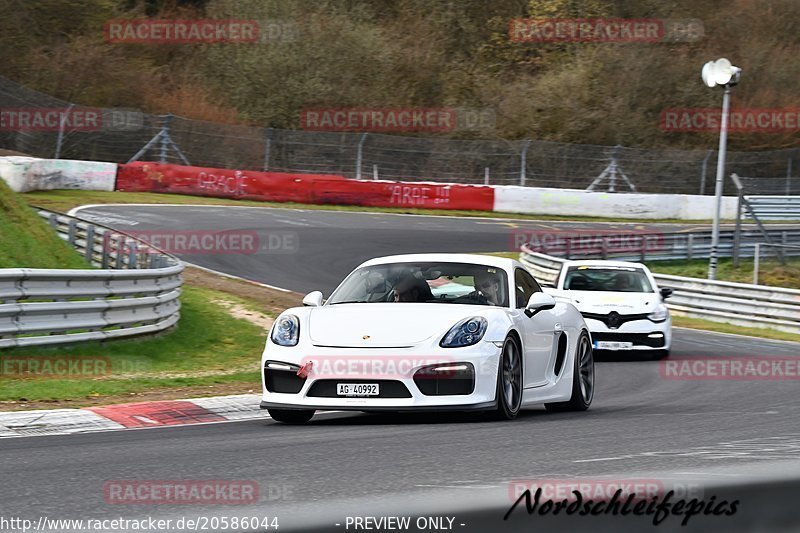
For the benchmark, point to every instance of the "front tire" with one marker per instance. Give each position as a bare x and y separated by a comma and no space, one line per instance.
582,379
291,416
509,381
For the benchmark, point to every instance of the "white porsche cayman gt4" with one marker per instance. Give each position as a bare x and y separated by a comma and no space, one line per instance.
444,332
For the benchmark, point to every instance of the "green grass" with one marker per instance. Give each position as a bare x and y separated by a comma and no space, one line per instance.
26,240
721,327
66,200
84,389
208,346
770,271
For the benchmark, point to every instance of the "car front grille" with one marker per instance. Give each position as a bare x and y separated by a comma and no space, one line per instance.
614,320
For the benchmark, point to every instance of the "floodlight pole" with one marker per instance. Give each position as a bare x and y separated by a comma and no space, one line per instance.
723,141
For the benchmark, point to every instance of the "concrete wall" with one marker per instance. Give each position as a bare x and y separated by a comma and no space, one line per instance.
575,202
24,174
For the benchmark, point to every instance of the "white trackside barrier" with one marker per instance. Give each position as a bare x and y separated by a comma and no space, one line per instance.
25,174
574,202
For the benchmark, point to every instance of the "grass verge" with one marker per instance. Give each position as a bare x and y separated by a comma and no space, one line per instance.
66,200
770,271
26,239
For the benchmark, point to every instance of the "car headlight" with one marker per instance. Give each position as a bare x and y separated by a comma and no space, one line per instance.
466,333
659,315
286,331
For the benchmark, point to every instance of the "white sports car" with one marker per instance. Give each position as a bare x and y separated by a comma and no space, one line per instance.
429,332
622,305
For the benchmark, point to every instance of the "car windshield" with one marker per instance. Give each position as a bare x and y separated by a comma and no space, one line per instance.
606,278
432,282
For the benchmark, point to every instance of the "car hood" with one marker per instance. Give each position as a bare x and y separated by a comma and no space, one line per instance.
602,302
384,325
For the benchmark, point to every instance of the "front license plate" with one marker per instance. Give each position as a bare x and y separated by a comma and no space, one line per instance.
357,389
613,345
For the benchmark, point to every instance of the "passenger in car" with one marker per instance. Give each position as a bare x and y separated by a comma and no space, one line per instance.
410,288
488,286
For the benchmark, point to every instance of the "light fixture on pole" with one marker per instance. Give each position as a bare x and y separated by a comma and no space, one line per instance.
720,72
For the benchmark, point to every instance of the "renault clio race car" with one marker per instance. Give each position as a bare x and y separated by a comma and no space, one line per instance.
429,332
622,305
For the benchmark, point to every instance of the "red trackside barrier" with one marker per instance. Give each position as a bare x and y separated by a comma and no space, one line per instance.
301,188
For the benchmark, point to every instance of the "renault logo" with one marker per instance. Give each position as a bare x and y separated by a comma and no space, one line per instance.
613,320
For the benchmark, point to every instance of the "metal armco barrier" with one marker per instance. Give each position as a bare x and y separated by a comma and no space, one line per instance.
721,301
642,246
774,207
136,291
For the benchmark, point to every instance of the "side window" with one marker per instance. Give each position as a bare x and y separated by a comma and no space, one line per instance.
524,287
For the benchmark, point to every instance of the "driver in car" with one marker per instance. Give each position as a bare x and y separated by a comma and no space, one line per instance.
411,289
488,286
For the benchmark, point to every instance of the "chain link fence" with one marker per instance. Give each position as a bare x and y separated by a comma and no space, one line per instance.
123,134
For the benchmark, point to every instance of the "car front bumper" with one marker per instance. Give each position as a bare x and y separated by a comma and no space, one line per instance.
399,389
644,335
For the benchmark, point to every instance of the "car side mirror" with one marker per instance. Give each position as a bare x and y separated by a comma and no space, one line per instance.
313,299
666,292
539,301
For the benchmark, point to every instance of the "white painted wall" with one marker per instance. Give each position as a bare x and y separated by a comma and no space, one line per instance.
576,202
24,174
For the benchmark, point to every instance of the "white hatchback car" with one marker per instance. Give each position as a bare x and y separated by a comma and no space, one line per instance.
621,303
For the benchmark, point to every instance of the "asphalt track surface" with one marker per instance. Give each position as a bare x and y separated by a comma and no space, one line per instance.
690,435
304,250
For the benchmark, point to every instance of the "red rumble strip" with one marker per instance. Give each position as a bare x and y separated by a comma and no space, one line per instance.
149,414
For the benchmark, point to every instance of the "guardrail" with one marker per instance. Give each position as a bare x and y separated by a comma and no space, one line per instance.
135,292
657,246
720,301
774,207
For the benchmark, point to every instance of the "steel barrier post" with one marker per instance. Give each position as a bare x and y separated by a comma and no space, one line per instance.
360,155
523,158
